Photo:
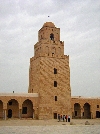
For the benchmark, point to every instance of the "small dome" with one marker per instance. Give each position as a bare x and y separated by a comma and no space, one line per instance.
48,24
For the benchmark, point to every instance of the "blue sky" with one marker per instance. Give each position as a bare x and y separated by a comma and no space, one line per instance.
79,23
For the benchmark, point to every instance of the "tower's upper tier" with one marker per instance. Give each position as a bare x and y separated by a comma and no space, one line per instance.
49,32
49,24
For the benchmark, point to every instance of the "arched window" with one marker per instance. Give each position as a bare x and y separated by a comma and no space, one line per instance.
52,36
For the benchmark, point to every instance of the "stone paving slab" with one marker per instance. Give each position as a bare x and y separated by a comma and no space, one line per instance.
50,129
17,126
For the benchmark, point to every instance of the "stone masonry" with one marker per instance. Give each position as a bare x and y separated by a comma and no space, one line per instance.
49,92
50,73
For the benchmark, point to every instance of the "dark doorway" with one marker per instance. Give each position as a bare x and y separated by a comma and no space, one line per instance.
27,109
87,113
9,113
55,115
97,114
77,111
1,109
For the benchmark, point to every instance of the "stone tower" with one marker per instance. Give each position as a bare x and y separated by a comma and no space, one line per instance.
49,74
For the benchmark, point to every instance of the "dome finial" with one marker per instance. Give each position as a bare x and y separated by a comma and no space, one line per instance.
48,24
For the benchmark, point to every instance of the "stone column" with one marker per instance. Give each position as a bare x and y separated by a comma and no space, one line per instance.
82,110
91,115
36,113
20,113
33,113
73,114
5,114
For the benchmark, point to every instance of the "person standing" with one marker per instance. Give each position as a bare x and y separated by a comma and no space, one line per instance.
58,117
66,118
69,118
63,118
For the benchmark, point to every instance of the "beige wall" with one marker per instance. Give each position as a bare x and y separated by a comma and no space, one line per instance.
92,103
18,102
49,54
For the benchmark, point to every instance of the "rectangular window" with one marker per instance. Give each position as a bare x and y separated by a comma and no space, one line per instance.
55,71
24,110
97,106
83,113
55,98
75,113
55,83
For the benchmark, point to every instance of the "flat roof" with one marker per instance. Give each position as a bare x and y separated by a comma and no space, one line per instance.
20,94
83,97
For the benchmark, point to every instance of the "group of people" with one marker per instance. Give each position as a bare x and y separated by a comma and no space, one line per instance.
64,118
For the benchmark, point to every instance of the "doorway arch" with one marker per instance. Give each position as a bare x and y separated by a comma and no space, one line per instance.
9,113
87,113
77,110
27,109
13,108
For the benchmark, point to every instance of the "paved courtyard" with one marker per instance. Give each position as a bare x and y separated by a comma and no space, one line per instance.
49,127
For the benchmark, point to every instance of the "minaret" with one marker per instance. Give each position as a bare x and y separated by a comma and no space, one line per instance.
49,73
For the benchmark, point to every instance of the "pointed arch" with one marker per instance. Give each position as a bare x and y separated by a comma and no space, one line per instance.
87,113
77,110
27,109
13,108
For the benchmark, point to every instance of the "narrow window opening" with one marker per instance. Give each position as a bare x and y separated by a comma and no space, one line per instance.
97,106
55,98
55,83
52,36
24,110
83,113
52,54
55,71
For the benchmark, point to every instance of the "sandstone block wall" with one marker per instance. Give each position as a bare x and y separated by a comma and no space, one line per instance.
89,106
49,56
